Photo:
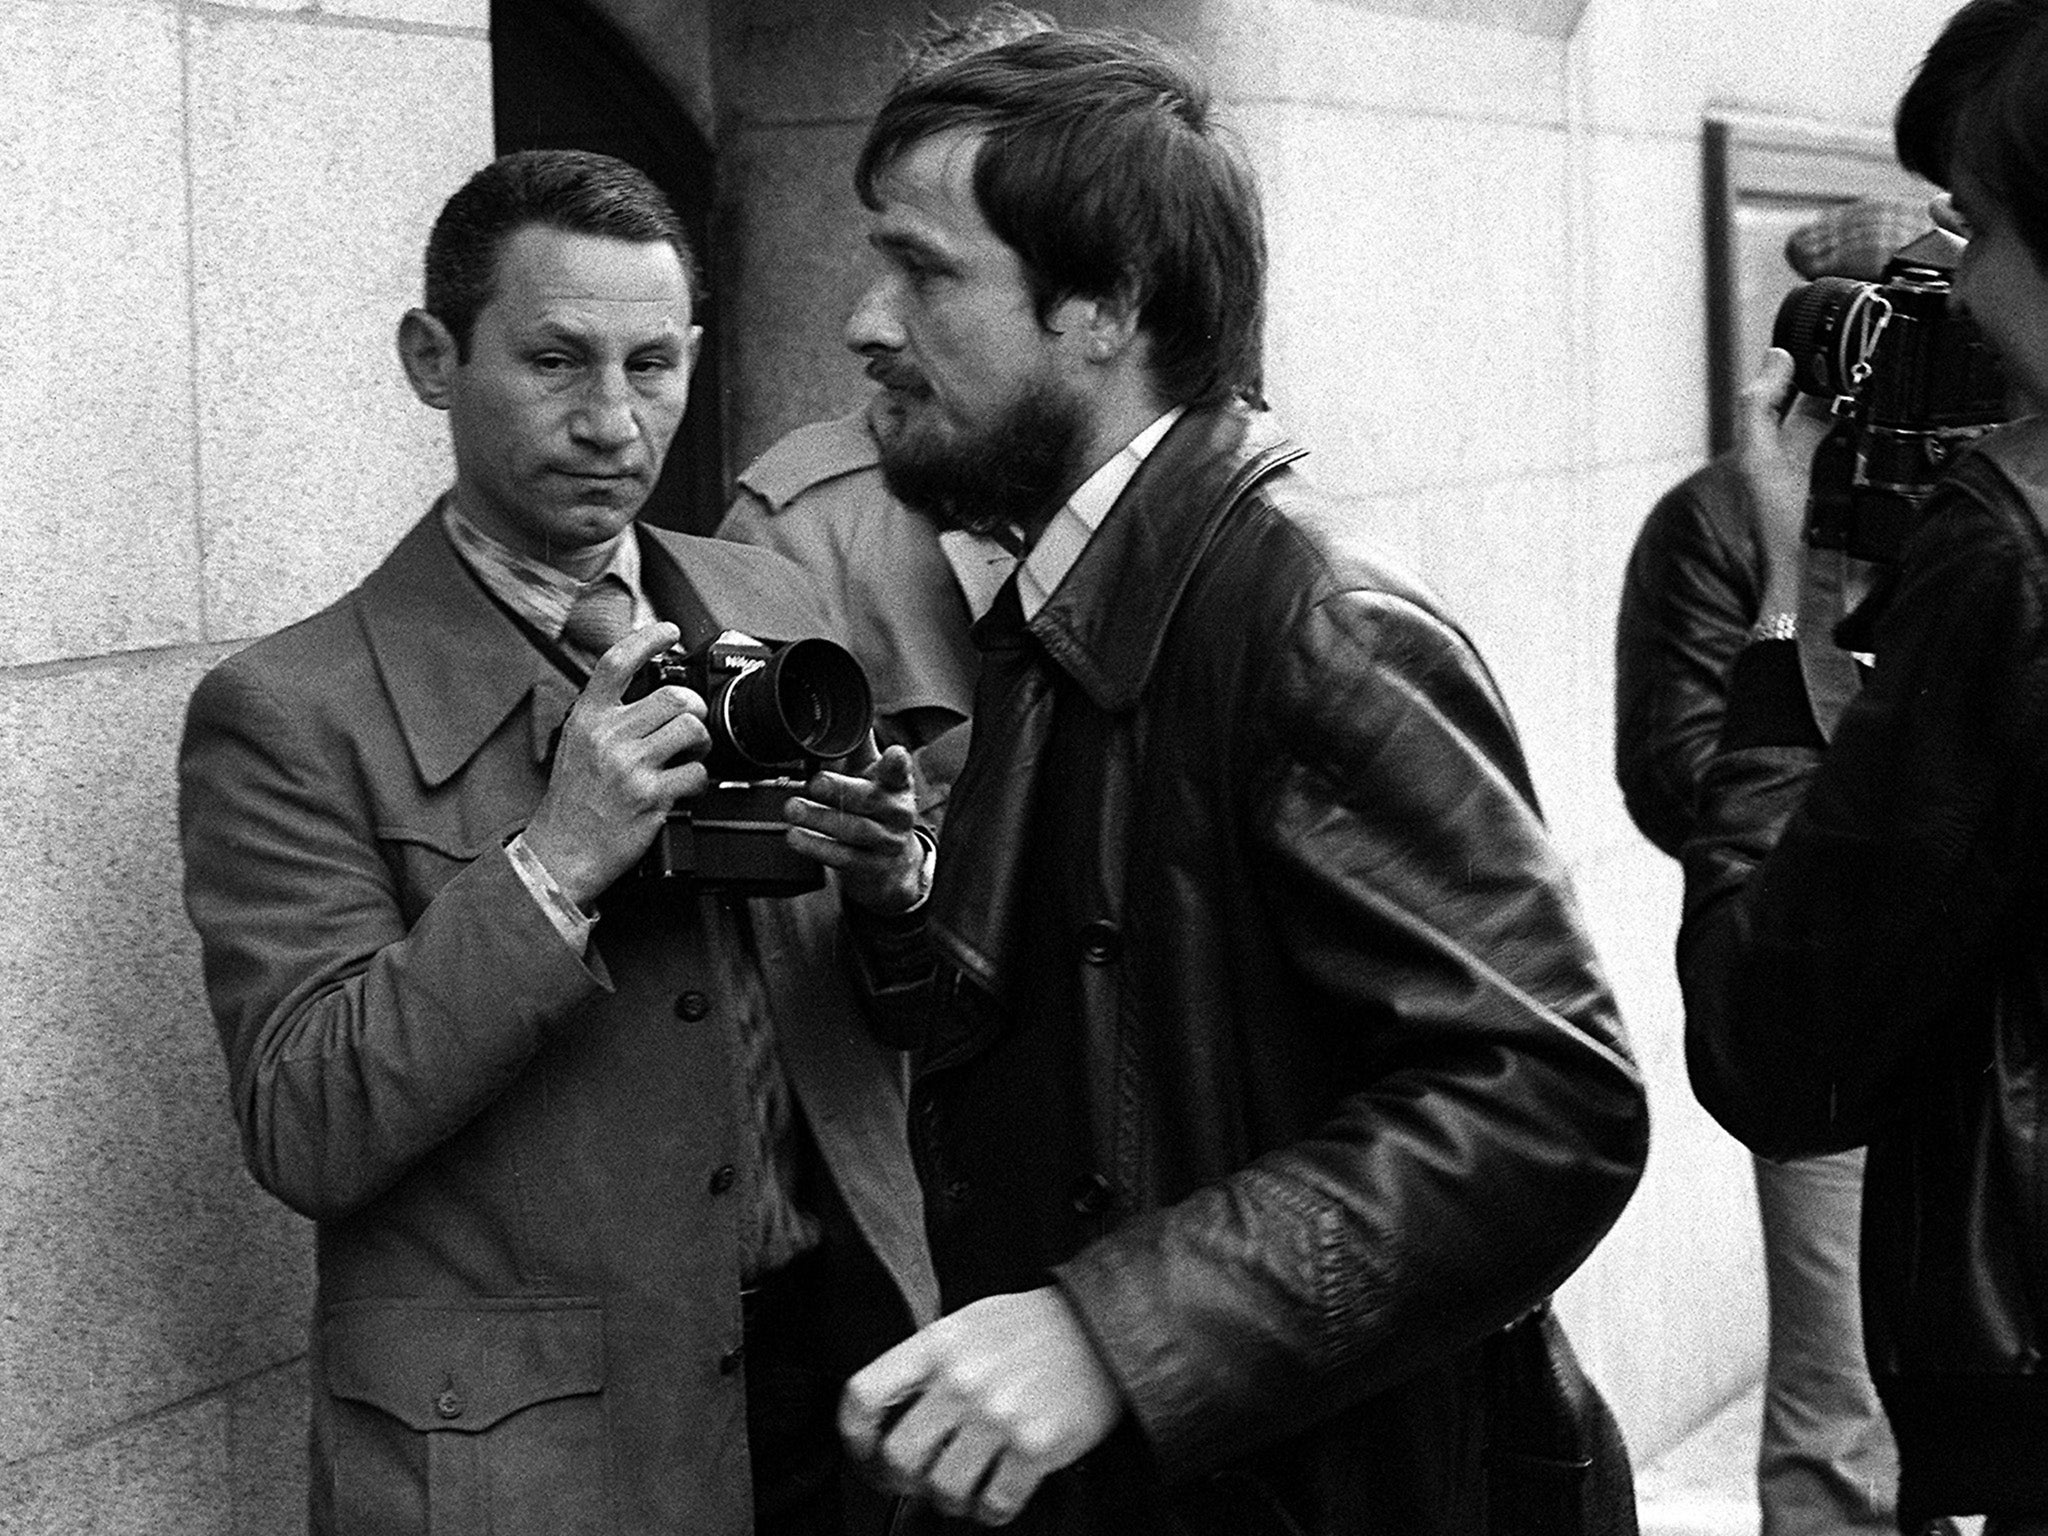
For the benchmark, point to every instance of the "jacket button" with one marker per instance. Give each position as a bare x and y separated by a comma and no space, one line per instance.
1101,941
730,1360
449,1404
723,1178
1093,1195
692,1006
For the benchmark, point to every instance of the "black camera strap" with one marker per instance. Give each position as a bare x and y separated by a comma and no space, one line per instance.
675,597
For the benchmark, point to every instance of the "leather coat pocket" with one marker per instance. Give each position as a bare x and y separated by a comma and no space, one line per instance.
469,1416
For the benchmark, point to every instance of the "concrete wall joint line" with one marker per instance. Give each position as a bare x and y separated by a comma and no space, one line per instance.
101,1432
311,16
1395,111
70,666
196,404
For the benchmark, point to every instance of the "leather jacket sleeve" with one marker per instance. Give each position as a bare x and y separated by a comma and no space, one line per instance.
356,1042
1496,1126
1687,600
1819,966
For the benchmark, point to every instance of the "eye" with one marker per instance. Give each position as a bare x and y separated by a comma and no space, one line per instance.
552,362
918,267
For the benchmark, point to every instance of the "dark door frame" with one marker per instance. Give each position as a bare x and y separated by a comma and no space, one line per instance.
563,77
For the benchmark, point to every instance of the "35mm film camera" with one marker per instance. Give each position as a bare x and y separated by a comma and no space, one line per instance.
1913,386
776,712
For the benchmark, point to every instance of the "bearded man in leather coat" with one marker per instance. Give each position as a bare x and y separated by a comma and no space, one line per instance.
1265,1072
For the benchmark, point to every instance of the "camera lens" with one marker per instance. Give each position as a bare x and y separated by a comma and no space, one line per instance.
1828,325
809,700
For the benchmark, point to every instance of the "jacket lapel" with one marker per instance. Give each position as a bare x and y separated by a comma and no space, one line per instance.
1104,627
453,664
1106,622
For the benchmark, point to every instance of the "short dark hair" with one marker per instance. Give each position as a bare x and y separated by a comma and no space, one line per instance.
1104,169
566,189
1979,105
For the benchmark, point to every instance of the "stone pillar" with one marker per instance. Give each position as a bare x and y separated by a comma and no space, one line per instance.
216,218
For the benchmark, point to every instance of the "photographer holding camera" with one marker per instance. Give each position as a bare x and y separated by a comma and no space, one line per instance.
1866,937
609,1199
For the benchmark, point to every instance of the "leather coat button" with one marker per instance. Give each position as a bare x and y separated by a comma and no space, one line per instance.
729,1362
449,1404
1093,1195
1101,941
723,1178
692,1006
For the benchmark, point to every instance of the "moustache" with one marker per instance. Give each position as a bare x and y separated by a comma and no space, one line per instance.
898,377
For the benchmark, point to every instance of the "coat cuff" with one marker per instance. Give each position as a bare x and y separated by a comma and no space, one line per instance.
1117,1303
484,926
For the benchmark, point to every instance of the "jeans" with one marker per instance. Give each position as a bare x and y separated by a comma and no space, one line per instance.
1827,1464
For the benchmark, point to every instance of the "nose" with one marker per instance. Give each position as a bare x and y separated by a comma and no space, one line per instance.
604,418
874,325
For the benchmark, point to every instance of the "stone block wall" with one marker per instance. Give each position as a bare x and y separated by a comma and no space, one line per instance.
215,219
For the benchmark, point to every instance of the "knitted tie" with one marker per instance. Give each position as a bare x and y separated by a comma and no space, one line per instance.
781,1228
601,616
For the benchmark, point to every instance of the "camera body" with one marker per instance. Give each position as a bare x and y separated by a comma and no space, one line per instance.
1913,385
776,711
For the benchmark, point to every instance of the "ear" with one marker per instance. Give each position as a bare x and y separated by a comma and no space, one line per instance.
1106,327
427,350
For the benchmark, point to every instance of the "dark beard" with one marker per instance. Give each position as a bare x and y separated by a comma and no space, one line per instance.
1013,474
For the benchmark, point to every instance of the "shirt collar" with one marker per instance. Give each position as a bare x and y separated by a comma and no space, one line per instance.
1060,546
533,589
980,564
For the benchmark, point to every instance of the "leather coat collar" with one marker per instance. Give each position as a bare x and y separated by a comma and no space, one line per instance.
455,665
1106,622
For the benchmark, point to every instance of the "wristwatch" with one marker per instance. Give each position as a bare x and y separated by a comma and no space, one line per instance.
1775,626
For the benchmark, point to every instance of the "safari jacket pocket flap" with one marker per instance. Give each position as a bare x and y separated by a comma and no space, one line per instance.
461,843
463,1365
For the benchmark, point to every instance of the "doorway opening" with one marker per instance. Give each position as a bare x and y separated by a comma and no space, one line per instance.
564,77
